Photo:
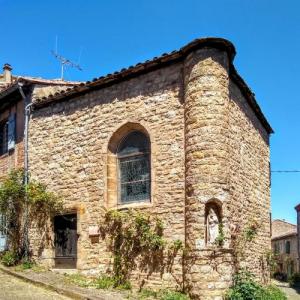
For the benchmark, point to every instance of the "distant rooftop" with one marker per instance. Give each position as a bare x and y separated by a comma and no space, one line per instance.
7,79
282,228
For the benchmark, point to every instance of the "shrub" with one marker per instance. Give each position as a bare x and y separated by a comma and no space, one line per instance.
105,282
18,199
9,259
245,288
79,280
26,265
294,280
274,293
172,295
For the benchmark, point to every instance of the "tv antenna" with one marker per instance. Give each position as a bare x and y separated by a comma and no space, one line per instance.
64,62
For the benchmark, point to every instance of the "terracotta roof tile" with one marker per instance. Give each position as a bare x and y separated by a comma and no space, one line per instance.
158,62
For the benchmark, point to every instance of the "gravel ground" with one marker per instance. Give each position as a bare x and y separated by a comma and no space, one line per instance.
12,288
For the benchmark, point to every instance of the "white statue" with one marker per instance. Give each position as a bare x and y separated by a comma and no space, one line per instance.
212,224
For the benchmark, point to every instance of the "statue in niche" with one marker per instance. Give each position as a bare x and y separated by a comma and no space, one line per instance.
212,226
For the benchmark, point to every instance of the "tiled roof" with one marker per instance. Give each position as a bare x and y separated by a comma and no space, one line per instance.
158,62
6,88
282,228
285,235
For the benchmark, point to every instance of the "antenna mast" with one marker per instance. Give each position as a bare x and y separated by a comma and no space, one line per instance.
64,61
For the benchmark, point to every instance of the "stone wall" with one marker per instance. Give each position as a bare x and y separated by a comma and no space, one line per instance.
249,183
207,149
69,144
206,116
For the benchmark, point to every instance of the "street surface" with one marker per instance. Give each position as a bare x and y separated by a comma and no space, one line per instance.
12,288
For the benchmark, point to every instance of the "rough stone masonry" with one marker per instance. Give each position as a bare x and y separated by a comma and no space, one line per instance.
209,149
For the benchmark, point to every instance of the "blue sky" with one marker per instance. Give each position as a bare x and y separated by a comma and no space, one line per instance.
115,34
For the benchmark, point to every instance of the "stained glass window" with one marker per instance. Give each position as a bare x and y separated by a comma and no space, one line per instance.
134,168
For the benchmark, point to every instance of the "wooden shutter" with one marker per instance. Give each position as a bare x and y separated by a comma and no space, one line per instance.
11,131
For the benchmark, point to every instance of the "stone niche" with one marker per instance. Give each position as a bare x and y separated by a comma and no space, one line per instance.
213,220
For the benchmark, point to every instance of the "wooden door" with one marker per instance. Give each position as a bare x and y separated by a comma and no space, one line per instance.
65,229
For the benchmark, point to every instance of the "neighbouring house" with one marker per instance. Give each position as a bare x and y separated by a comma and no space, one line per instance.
285,248
17,92
181,137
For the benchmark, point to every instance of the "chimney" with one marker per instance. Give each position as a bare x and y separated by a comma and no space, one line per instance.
7,73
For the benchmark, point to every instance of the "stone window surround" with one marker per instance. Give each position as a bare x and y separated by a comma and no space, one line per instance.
111,197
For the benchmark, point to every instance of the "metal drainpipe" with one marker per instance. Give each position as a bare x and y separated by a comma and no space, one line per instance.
27,110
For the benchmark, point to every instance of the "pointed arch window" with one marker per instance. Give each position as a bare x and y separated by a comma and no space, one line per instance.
134,168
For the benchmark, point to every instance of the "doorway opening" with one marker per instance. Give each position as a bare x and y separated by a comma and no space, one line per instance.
65,231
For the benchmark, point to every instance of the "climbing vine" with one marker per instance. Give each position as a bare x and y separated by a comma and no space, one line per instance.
220,240
136,240
240,239
21,205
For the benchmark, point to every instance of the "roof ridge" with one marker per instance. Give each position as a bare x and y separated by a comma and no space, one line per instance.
284,221
157,62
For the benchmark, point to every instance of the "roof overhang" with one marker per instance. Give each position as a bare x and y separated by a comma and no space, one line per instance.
159,62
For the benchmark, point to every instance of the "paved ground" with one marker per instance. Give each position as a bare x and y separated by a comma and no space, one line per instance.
12,288
60,282
292,294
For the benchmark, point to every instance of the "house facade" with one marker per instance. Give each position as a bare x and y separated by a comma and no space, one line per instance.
16,95
180,137
285,247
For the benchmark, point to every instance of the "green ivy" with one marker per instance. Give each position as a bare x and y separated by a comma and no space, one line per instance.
15,197
221,236
136,238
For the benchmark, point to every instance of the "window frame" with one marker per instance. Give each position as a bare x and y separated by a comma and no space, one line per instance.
287,247
119,157
4,142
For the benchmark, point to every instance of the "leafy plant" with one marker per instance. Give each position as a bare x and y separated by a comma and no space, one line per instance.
10,258
162,295
107,282
245,288
173,295
240,238
80,280
21,204
135,238
220,239
26,265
